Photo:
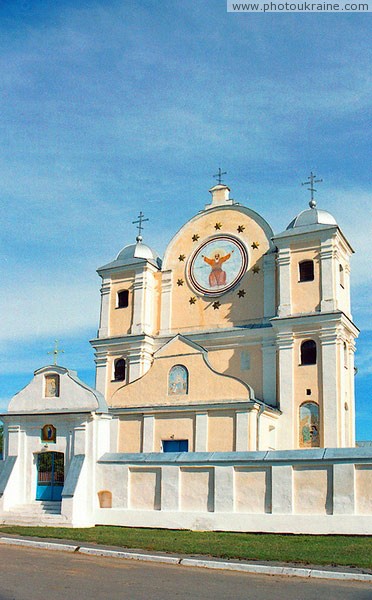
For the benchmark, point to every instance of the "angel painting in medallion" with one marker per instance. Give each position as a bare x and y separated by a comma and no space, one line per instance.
217,276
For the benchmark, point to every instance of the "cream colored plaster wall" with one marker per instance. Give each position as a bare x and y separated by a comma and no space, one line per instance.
229,362
111,385
233,310
221,431
312,490
305,294
197,487
204,384
144,489
252,490
177,427
130,434
120,319
363,477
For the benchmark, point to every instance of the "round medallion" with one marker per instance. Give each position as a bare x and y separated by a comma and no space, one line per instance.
217,265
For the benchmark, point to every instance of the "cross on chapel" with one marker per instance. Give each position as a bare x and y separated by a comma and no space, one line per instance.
311,180
56,351
139,226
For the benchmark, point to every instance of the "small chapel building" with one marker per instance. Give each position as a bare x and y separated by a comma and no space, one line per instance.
224,388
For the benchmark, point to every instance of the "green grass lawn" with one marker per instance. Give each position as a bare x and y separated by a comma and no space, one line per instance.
304,549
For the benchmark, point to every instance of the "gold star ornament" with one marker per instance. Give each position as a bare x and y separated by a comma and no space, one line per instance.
255,245
180,282
216,305
181,257
256,269
195,237
218,226
192,300
240,228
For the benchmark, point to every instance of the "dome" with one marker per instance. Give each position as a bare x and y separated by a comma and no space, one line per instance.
138,250
312,216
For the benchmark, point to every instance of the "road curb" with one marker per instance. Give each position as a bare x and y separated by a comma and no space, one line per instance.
193,562
273,570
175,560
35,544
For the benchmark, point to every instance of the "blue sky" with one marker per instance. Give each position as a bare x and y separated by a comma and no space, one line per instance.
110,107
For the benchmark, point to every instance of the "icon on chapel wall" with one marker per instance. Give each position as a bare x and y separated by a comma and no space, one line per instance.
52,386
178,381
49,434
309,425
217,265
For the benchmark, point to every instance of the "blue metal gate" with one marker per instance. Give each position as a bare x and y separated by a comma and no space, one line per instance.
50,476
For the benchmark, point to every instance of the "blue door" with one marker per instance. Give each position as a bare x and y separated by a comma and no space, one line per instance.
50,476
175,445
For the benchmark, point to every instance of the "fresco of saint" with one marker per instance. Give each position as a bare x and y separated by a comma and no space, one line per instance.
217,275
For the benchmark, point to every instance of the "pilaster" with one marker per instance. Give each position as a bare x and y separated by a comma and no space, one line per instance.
284,282
327,278
286,390
242,433
166,302
103,330
330,384
269,285
269,372
201,432
148,433
143,300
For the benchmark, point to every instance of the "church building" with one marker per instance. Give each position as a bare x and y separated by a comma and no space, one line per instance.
224,389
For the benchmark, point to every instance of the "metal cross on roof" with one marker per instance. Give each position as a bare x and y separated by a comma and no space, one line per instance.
56,351
311,180
218,175
139,226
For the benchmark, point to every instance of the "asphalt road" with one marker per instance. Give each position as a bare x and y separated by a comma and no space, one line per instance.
32,574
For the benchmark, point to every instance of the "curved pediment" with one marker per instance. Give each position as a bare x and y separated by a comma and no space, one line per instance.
202,383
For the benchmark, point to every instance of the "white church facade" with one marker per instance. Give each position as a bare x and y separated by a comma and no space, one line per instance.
224,390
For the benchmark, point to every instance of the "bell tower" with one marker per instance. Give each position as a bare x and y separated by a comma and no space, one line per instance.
128,316
315,332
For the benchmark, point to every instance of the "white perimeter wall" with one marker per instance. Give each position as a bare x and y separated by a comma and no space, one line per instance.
308,491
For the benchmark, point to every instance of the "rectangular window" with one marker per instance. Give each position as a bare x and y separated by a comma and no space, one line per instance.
123,299
175,445
306,268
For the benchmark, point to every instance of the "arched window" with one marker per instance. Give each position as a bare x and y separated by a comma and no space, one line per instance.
178,381
119,369
342,275
306,270
122,299
308,352
309,425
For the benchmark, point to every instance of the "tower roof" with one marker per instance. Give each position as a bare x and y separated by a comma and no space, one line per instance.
132,254
312,216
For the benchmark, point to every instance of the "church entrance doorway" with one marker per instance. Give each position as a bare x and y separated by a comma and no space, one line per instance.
50,476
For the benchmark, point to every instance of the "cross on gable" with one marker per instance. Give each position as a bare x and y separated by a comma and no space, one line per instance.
218,175
56,351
